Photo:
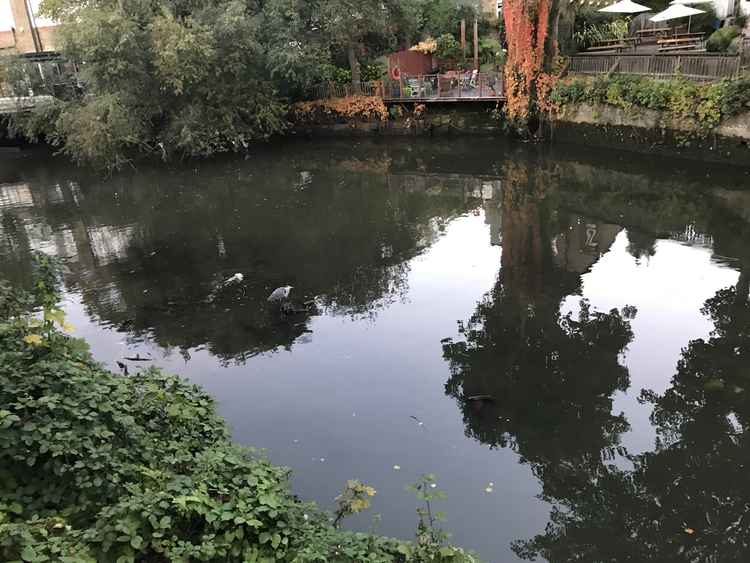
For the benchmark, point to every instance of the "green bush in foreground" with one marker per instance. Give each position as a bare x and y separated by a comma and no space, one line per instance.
100,467
702,104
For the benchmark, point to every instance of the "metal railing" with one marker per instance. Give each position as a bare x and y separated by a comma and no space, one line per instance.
696,66
30,77
448,86
328,90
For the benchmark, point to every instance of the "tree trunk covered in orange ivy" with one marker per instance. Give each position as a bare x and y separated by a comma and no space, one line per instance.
531,32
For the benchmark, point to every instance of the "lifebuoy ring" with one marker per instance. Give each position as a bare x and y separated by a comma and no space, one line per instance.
396,73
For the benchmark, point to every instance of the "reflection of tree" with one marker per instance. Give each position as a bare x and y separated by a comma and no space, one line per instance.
525,376
150,249
689,500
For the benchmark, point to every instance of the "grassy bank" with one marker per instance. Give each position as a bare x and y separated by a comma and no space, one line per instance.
96,466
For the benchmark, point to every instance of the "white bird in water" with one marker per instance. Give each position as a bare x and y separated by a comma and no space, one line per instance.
236,278
280,294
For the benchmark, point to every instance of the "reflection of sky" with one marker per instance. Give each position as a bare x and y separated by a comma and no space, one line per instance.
347,396
669,290
338,405
346,392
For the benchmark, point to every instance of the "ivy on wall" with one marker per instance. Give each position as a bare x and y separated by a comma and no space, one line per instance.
702,105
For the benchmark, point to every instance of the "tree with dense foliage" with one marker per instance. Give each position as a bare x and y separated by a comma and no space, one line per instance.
165,77
193,78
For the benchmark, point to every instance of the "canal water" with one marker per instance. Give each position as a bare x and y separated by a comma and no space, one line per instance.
560,335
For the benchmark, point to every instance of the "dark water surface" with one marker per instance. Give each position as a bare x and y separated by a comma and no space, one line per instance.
449,333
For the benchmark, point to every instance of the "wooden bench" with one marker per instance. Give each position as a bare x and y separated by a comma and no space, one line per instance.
614,48
678,40
683,49
605,42
692,35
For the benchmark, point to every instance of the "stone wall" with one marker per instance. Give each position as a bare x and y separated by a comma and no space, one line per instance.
434,119
647,130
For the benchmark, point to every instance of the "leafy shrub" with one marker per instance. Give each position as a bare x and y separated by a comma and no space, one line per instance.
372,72
100,467
721,39
334,110
448,48
490,51
590,33
333,73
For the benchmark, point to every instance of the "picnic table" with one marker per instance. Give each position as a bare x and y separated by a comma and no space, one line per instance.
652,31
681,44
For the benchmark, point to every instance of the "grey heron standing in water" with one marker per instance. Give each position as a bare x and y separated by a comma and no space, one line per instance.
280,294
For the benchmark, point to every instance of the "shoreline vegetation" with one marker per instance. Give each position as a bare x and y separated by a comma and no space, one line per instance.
180,78
103,467
701,106
170,79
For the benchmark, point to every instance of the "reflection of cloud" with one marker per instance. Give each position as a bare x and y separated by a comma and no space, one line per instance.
59,243
15,195
109,244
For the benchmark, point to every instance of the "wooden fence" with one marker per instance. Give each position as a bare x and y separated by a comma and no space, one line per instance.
745,53
694,66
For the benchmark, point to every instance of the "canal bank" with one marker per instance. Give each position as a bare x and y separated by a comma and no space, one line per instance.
639,130
400,120
646,130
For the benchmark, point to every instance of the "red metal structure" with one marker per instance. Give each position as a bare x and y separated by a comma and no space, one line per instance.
410,63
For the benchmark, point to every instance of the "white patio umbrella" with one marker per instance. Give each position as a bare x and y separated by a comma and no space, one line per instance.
625,7
691,2
676,11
